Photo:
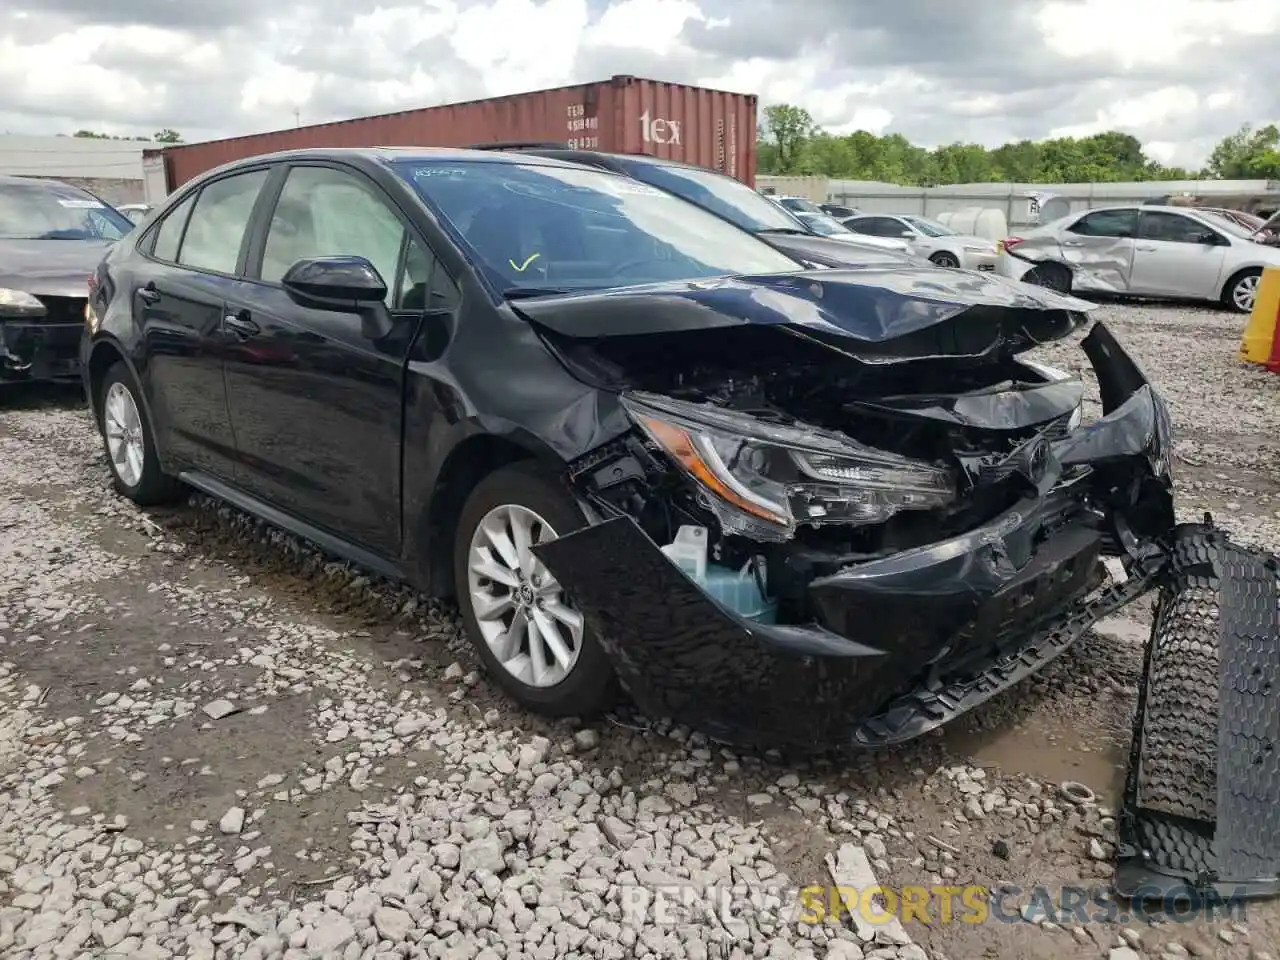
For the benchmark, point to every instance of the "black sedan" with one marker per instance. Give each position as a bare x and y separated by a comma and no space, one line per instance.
52,236
635,442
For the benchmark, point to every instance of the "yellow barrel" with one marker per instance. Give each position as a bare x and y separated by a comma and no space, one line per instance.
1260,332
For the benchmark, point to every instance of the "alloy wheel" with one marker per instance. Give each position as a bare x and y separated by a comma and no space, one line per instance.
123,428
523,614
1245,292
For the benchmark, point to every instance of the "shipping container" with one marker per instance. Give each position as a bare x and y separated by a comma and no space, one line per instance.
710,128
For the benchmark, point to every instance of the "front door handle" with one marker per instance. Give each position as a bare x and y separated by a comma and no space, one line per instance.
149,293
1147,249
1073,243
241,324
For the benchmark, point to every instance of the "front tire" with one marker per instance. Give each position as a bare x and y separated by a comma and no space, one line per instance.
534,643
129,441
944,259
1242,290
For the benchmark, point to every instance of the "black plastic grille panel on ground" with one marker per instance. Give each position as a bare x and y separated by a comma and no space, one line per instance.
1248,833
1177,760
1202,800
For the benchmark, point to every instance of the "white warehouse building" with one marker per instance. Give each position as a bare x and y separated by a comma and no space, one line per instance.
111,169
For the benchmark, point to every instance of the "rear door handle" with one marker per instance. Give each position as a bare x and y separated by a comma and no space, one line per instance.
1073,243
149,293
1147,249
241,324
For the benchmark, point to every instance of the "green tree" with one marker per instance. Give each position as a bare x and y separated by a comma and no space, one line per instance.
787,130
791,143
167,136
1247,154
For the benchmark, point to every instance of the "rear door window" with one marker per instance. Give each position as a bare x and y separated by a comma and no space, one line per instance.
217,227
1116,224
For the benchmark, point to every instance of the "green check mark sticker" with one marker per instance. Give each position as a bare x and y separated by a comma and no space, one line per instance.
524,266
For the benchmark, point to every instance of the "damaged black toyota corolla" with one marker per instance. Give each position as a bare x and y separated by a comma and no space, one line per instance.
637,443
825,508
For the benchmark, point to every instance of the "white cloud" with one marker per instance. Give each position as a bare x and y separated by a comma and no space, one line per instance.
1179,74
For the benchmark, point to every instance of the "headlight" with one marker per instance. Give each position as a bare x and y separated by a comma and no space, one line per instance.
980,247
768,478
19,302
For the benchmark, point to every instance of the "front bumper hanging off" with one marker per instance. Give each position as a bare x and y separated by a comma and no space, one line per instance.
898,645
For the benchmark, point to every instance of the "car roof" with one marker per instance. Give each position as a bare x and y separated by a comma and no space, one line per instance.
391,154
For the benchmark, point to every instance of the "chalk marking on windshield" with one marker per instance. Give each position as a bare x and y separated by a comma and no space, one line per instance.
524,266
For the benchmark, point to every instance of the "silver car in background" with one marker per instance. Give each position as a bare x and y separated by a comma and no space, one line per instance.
1149,251
930,239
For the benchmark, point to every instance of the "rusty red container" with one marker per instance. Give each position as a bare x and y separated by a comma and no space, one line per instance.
624,114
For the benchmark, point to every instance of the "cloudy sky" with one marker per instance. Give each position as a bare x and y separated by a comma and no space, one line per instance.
1179,74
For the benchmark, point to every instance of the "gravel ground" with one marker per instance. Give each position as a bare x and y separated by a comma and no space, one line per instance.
215,743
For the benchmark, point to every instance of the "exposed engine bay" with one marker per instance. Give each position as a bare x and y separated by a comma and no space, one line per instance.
836,461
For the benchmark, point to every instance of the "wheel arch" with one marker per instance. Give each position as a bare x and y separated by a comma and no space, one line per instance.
471,460
1235,276
103,355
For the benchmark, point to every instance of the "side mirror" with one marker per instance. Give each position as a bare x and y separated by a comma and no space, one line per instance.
343,285
1208,238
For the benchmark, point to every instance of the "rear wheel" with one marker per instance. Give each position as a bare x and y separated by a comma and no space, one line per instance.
944,259
129,441
1242,290
534,643
1054,276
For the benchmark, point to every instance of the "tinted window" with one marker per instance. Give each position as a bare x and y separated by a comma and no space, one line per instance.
218,222
36,210
878,227
326,212
1172,227
1107,223
169,233
532,225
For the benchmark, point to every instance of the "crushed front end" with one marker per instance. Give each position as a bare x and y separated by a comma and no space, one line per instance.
40,337
894,532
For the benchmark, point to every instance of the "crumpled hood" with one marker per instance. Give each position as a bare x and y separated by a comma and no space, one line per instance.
851,308
52,268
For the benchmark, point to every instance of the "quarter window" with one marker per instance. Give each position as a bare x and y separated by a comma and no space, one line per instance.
218,222
326,212
169,232
1116,224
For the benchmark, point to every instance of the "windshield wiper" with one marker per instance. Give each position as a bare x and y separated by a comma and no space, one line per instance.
523,293
793,231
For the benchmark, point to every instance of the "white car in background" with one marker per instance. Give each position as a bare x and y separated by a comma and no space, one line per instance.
929,238
1149,251
821,224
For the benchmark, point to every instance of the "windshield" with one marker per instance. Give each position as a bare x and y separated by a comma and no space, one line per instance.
825,226
44,211
569,228
800,205
1225,224
930,228
733,200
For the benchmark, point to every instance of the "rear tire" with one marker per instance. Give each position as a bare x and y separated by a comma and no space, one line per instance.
1242,290
566,675
945,259
129,441
1053,276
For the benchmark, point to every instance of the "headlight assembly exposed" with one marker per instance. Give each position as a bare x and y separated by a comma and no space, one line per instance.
767,478
19,303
